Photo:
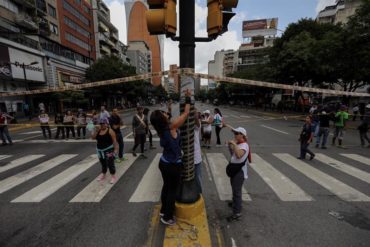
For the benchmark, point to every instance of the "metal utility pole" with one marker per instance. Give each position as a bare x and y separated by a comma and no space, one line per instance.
188,191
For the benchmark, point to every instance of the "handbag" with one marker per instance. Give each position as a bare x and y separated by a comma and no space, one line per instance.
233,168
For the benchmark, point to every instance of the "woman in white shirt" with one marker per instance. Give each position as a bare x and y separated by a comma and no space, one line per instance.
207,128
237,169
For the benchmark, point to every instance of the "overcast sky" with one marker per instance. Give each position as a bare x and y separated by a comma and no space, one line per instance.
287,11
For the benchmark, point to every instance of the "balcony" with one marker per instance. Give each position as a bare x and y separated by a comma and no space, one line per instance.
41,7
26,22
104,50
29,4
114,36
20,39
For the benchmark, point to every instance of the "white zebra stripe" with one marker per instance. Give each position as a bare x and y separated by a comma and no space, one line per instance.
284,188
24,176
358,158
95,191
149,188
20,161
338,188
47,188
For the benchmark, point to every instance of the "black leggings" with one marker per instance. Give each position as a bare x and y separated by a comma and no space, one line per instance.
44,129
171,174
70,128
218,130
108,162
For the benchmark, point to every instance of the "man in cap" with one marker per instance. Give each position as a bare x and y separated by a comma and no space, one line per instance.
341,118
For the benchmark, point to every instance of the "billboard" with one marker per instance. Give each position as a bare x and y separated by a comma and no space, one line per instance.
20,58
262,27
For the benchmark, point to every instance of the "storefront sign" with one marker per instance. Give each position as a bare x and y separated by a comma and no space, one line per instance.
21,65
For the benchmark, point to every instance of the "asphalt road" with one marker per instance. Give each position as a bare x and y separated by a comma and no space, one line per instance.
322,202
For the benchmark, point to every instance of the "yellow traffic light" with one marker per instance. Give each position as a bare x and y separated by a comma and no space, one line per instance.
219,15
161,17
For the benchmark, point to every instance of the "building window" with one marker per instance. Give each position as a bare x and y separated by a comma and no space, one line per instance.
71,38
86,9
52,11
76,13
53,28
9,5
76,27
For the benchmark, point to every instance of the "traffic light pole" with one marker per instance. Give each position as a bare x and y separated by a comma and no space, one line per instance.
188,192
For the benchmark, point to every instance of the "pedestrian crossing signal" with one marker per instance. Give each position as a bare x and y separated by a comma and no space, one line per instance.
161,17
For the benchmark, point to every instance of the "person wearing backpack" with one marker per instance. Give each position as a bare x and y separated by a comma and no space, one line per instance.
237,169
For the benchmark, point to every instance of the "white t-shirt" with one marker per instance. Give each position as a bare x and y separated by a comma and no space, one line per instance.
197,150
207,127
218,120
234,159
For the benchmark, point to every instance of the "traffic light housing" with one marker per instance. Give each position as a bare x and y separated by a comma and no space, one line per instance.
219,16
161,18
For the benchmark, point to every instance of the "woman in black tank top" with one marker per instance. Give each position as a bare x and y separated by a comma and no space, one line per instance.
106,148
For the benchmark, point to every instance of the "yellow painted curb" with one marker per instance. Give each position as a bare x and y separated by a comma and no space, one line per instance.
191,228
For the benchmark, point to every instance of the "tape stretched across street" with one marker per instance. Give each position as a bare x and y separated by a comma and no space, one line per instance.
187,72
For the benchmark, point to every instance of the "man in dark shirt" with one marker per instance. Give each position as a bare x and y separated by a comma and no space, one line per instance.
306,138
324,120
139,128
115,122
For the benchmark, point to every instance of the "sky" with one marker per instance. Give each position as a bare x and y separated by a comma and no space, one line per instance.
287,11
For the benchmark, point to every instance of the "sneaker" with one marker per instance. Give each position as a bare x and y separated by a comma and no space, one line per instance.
101,177
169,222
134,154
233,217
312,156
300,158
113,179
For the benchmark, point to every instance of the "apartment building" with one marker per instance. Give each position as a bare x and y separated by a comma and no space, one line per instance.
339,12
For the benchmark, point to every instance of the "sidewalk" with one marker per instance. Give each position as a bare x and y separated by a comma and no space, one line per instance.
25,123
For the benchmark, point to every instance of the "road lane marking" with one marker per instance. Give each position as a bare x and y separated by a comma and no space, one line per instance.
47,188
284,188
357,173
280,131
150,186
4,156
35,132
26,175
20,161
358,158
218,163
95,191
335,186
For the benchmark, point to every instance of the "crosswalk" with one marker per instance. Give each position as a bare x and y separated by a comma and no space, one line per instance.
148,189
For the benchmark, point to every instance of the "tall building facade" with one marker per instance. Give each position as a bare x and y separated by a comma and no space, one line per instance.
106,34
339,12
140,56
223,64
137,31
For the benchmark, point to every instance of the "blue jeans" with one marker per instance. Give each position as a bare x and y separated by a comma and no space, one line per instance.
198,176
4,134
323,131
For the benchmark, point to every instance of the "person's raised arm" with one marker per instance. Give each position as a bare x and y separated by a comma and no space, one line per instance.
180,120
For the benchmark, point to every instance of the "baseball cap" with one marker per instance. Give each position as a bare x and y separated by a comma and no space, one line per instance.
240,130
207,112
